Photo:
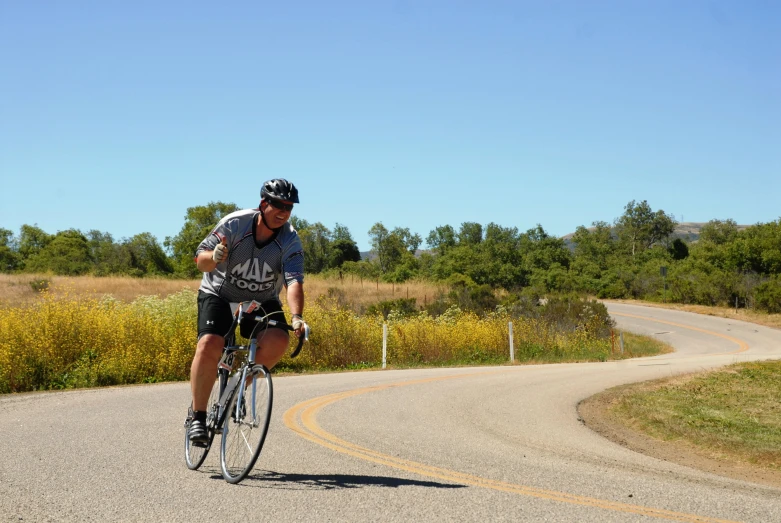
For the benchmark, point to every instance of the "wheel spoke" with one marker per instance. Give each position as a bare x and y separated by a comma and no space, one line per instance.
243,437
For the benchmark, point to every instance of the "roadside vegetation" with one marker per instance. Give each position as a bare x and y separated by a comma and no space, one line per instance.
65,337
731,414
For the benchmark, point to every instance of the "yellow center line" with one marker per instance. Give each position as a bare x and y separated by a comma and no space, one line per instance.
302,419
743,346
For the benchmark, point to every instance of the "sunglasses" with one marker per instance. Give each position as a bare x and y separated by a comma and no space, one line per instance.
287,207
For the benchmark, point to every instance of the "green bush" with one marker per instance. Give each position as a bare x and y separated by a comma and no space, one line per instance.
40,285
402,306
767,295
570,313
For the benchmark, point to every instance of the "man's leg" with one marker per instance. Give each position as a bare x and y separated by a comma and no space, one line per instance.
273,344
204,369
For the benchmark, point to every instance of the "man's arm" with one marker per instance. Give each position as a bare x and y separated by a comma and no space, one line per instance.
295,300
205,262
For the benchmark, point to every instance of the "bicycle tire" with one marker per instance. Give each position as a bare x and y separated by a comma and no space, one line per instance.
242,439
194,455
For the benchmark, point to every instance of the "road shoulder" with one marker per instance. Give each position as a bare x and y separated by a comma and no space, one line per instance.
595,413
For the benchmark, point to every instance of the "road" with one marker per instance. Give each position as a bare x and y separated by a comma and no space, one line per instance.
466,444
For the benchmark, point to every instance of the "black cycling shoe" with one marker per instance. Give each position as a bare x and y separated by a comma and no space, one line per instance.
197,433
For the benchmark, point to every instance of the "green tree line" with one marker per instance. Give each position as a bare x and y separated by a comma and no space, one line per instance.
636,256
73,252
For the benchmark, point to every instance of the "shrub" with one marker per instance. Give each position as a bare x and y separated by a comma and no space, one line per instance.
767,295
68,342
402,306
71,342
571,313
40,285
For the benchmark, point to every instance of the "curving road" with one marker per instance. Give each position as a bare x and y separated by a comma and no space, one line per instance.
497,444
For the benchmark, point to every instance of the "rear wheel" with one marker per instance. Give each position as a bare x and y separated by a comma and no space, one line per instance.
243,434
195,454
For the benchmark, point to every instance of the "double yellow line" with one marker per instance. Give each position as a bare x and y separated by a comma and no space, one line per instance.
302,419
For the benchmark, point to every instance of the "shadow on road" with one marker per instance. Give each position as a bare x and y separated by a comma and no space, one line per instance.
277,480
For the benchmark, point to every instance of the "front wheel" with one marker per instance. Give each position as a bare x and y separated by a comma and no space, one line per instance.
195,454
244,432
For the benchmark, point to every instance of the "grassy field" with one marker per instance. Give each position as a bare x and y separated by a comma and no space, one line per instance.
21,289
732,414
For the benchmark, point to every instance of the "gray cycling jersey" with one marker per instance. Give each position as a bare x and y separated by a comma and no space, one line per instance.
252,272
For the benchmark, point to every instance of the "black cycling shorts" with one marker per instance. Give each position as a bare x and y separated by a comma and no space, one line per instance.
215,316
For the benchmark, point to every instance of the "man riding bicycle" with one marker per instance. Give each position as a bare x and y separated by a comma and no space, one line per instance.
250,255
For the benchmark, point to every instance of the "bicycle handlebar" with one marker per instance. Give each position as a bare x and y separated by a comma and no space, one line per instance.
253,305
301,340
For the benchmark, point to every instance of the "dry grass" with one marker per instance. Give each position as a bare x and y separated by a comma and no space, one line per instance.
750,315
17,289
360,294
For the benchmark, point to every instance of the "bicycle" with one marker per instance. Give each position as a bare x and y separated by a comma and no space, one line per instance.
239,406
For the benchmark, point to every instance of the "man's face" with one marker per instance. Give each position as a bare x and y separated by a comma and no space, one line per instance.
277,212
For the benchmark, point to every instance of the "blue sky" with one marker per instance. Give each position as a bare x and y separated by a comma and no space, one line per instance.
118,116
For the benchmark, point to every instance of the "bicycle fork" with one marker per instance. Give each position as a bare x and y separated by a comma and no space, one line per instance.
238,383
249,368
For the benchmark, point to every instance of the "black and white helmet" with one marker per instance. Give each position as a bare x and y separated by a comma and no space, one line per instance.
279,189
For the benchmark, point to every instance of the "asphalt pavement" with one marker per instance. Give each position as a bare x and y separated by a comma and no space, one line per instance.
455,444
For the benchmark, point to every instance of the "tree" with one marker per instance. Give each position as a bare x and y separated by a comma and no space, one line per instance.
32,240
639,227
299,224
410,240
363,269
542,251
107,256
341,232
719,232
595,246
495,261
386,247
757,249
324,249
679,250
66,254
146,255
471,233
394,247
441,239
198,223
316,240
342,251
9,256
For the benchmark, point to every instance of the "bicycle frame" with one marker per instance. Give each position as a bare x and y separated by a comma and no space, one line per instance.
238,380
230,382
